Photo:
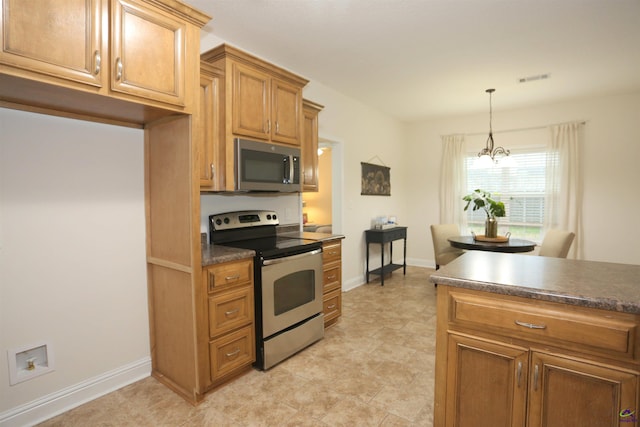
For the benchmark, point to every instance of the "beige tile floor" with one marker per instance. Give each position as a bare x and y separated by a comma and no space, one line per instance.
374,367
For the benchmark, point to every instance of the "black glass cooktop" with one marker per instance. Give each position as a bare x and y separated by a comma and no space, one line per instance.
276,246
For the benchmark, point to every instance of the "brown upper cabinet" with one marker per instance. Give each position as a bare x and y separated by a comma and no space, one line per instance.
130,50
258,101
310,145
262,101
210,129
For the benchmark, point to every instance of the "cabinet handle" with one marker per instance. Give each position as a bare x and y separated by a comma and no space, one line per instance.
331,277
229,278
536,374
119,69
519,374
213,171
333,253
277,127
268,126
230,312
331,307
98,62
233,353
530,325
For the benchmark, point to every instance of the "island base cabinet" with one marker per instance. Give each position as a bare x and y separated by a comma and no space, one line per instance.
480,368
488,377
565,392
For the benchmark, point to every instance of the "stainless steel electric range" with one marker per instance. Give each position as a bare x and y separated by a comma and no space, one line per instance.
288,282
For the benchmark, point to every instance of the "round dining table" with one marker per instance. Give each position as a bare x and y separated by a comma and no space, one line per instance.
510,246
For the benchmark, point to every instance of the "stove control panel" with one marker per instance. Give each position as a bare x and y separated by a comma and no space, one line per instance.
242,219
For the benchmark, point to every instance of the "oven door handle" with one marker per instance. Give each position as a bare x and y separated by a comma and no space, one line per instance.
290,258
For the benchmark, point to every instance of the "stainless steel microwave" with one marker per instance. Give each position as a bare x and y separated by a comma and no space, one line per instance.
261,166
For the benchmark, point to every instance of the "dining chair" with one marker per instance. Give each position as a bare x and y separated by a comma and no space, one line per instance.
556,243
442,249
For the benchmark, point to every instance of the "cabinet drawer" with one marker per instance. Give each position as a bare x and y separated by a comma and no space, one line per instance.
559,325
331,252
395,234
331,278
231,352
226,275
230,310
332,305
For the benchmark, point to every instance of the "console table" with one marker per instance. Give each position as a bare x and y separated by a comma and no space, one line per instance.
386,236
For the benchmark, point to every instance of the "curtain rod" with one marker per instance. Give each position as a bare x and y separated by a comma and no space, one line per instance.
522,129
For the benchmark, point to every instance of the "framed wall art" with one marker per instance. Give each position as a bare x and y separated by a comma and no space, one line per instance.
376,180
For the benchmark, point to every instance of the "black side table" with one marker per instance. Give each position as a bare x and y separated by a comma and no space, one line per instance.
386,236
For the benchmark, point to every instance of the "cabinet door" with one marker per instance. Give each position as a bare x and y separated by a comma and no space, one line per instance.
286,111
61,38
486,383
566,392
309,148
147,52
250,99
208,129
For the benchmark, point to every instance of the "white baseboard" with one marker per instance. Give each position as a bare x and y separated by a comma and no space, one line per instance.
68,398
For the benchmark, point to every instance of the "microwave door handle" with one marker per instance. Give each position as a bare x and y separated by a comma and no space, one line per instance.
288,171
291,169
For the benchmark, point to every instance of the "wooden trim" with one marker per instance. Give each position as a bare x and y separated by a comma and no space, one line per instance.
169,264
228,51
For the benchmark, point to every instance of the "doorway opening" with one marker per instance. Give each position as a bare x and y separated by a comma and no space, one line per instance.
322,209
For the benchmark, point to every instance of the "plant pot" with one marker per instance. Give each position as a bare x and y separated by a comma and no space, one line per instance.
491,227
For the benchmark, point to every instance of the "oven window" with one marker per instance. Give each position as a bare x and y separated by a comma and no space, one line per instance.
293,290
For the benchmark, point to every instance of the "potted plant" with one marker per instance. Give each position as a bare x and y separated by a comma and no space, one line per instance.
481,199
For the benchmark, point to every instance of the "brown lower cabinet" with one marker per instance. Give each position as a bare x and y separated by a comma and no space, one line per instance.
568,366
332,281
230,319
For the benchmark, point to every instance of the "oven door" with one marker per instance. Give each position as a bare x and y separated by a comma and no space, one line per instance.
291,290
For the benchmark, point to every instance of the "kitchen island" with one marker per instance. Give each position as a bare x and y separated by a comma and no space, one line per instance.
536,341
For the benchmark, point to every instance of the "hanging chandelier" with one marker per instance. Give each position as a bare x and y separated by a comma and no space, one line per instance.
489,153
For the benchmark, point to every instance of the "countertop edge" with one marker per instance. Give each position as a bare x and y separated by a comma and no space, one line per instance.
217,254
312,235
609,304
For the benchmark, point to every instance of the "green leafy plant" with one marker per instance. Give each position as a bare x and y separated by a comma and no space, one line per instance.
481,199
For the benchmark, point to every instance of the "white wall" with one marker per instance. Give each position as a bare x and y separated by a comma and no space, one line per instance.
72,253
611,174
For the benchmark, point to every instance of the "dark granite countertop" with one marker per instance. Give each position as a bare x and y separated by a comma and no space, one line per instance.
216,254
606,286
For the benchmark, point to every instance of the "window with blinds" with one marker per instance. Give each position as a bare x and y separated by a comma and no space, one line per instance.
521,187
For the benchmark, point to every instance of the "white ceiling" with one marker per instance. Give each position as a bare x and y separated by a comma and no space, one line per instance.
420,59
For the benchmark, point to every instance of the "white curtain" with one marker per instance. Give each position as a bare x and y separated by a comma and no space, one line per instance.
453,181
563,205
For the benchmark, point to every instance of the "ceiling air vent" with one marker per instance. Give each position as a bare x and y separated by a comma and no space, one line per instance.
534,78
